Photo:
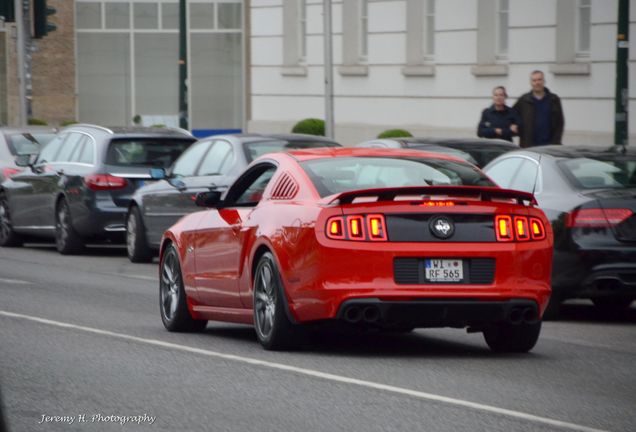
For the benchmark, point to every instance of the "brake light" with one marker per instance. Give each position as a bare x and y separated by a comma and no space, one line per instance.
504,228
8,172
438,203
597,218
357,227
537,230
521,228
98,182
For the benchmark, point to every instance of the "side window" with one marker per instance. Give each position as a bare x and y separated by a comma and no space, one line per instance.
503,172
50,150
70,144
186,165
525,178
87,153
248,190
218,160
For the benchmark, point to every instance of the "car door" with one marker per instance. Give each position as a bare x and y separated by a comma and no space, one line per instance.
221,237
167,201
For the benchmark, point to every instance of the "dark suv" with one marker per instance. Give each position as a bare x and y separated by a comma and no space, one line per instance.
79,185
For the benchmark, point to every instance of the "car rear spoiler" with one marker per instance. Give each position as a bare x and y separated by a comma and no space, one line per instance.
482,192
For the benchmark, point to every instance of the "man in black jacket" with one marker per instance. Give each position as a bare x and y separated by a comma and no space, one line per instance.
498,120
541,114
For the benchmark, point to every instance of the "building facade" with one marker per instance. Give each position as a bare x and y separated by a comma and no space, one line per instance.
429,66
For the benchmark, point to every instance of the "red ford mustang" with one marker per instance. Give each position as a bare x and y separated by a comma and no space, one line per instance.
393,239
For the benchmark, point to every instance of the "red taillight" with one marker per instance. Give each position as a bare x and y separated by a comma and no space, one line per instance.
597,218
98,182
357,227
377,230
504,228
521,228
537,230
438,203
8,172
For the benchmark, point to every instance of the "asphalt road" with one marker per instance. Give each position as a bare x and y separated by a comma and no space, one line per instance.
82,348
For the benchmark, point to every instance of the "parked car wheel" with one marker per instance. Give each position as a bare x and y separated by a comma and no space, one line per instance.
67,240
274,331
513,338
8,237
136,242
172,299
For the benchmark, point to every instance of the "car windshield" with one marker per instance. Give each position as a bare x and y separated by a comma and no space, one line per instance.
28,143
157,152
336,175
613,171
256,149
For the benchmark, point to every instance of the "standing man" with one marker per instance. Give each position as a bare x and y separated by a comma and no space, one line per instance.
498,120
541,114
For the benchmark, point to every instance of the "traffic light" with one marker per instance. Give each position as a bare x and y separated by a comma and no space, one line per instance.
41,14
7,10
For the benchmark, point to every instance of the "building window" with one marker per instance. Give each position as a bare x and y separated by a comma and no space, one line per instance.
583,28
294,37
355,35
364,29
302,29
502,29
420,38
429,30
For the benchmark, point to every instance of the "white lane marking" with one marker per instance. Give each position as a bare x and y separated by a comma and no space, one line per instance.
316,374
15,281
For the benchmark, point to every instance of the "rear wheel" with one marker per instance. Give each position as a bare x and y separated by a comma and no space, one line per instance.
512,338
67,240
172,297
612,303
274,331
136,242
8,237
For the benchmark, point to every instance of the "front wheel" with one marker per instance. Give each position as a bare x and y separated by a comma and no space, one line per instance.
274,331
172,298
512,338
8,237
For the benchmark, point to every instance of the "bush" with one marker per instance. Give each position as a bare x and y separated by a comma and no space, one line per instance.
310,126
395,133
37,122
137,119
68,123
158,125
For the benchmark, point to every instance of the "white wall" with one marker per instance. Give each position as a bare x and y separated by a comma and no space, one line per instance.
448,103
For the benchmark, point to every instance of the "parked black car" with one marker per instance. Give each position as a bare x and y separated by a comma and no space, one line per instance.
78,187
20,141
478,151
589,195
211,163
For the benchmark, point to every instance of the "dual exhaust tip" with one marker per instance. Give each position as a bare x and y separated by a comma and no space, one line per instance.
368,314
520,315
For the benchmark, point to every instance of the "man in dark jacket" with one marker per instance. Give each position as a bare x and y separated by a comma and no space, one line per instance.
498,120
541,114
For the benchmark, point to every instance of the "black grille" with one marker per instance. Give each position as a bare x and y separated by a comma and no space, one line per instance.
476,271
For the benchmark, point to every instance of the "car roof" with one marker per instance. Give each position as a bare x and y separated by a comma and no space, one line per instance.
569,151
128,131
335,152
467,141
300,137
32,129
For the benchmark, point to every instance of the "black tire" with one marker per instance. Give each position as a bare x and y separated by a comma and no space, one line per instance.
612,303
136,242
274,331
512,338
173,306
8,237
67,240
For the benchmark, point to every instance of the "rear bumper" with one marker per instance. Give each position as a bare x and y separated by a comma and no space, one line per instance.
437,312
100,217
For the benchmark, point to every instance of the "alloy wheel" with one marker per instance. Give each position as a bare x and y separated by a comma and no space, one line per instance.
61,232
131,234
5,223
265,300
170,282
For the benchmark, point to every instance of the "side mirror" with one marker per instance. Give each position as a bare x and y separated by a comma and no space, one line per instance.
208,199
157,173
25,160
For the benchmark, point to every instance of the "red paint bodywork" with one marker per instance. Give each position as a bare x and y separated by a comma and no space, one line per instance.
218,250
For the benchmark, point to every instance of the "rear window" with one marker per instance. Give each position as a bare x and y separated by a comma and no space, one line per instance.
256,149
336,175
603,172
28,143
145,151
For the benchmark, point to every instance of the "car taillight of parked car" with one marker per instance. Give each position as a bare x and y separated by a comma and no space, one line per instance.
357,227
518,228
99,182
9,172
597,217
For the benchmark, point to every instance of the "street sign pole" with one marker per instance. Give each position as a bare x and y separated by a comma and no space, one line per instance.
329,122
183,66
20,47
621,129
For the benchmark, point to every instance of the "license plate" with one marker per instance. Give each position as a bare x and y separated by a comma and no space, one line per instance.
444,270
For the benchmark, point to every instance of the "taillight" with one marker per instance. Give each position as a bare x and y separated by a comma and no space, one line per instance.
8,172
519,228
504,228
98,182
357,227
597,218
438,203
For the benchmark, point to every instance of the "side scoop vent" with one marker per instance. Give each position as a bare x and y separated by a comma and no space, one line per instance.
285,188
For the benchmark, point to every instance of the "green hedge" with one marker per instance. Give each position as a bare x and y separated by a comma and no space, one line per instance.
395,133
37,122
310,126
